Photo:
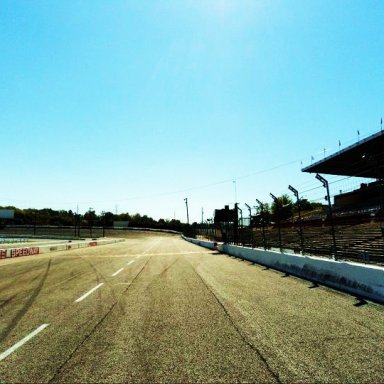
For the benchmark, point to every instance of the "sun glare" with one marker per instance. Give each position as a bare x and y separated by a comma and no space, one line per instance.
220,8
225,11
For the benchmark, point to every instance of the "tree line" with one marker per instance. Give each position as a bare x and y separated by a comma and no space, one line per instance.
285,209
48,216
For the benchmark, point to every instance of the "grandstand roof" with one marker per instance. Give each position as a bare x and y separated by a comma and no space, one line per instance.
362,159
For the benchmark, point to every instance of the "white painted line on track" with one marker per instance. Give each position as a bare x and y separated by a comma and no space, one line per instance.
22,341
88,293
132,261
117,272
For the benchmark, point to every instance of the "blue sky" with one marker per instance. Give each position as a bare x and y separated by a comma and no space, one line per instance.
135,105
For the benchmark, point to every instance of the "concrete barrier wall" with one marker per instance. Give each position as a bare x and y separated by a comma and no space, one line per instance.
7,253
362,280
203,243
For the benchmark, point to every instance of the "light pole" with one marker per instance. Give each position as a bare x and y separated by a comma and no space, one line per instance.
296,193
186,204
326,185
277,218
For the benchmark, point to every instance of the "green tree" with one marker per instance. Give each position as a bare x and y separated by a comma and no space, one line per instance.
283,207
90,217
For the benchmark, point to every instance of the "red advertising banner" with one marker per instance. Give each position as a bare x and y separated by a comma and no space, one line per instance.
3,253
16,252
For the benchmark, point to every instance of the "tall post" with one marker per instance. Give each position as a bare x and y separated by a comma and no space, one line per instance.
278,219
296,193
328,198
186,204
261,205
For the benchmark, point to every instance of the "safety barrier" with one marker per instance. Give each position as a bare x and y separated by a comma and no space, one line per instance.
365,281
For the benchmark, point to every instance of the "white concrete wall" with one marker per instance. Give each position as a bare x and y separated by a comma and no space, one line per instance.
203,243
359,279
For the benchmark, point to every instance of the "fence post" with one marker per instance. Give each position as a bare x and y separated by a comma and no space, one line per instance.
250,222
296,193
278,219
326,185
261,205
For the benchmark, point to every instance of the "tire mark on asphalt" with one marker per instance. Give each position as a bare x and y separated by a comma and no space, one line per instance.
143,356
101,277
16,275
237,329
6,301
91,332
69,279
20,314
20,294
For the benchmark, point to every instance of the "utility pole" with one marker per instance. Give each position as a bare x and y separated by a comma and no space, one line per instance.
186,204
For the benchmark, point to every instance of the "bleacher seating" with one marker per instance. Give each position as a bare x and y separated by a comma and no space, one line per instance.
360,242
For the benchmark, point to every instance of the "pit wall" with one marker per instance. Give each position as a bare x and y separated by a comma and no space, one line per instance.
7,253
365,281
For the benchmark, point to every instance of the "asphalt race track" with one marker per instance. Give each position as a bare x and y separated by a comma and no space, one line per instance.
158,309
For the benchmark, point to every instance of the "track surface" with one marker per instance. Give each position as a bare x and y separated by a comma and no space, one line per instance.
168,311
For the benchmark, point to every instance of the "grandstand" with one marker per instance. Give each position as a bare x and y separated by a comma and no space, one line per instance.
357,219
362,159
